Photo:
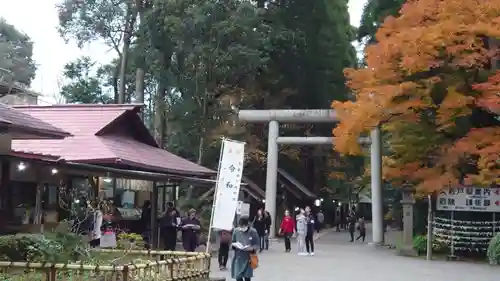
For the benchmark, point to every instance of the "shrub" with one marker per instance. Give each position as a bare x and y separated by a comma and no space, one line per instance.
420,245
130,241
29,247
493,252
50,247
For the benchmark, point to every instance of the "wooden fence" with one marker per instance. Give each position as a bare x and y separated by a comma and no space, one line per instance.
155,266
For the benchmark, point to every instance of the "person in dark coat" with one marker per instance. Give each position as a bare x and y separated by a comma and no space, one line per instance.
259,224
352,223
146,223
268,221
169,226
191,227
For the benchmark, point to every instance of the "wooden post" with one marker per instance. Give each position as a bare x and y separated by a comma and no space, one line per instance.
38,210
429,228
154,217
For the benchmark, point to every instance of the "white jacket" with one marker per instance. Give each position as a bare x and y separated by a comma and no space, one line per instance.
96,229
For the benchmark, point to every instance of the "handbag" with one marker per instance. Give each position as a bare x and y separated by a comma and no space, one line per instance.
108,240
254,261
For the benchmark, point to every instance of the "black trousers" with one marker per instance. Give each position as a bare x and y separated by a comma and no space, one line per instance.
288,245
95,242
262,241
309,242
362,235
223,254
169,240
243,279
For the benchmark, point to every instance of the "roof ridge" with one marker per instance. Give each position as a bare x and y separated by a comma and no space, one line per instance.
65,106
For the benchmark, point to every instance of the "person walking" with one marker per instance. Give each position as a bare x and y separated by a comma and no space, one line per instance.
301,233
352,223
259,224
268,222
310,231
320,220
225,241
287,229
362,229
245,242
169,226
190,228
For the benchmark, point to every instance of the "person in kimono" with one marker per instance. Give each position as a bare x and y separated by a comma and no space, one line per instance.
247,237
301,232
191,227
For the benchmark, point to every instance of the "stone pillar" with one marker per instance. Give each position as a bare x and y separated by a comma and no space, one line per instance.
272,173
376,187
407,203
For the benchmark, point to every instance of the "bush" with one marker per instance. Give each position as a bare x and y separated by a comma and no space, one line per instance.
51,247
28,247
420,245
493,252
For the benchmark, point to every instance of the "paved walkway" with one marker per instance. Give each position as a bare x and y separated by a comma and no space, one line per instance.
337,259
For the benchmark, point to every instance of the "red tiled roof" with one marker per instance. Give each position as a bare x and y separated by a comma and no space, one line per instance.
91,144
24,126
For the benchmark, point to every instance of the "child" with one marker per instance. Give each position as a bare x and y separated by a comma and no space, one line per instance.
362,229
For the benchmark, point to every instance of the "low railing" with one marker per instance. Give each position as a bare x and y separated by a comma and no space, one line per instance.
175,266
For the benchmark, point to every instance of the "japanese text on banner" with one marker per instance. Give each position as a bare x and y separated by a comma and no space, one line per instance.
228,184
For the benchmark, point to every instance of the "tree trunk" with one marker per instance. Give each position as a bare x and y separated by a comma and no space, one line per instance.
159,122
127,36
139,74
139,87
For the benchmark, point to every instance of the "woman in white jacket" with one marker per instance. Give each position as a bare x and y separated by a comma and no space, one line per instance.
301,233
95,232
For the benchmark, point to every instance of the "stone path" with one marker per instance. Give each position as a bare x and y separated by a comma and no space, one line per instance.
337,259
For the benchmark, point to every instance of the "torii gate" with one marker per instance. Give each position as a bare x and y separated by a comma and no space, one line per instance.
274,117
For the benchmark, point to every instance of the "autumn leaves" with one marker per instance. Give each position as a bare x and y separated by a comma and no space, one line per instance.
431,81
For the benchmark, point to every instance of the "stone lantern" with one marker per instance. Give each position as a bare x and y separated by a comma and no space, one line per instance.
407,203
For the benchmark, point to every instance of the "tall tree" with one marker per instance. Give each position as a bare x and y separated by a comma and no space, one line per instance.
85,82
16,52
374,14
112,21
426,79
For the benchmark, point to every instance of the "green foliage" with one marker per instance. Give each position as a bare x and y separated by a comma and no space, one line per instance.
493,252
86,83
29,247
420,245
130,241
373,16
50,247
16,52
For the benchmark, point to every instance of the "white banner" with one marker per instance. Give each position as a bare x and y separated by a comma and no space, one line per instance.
228,184
471,199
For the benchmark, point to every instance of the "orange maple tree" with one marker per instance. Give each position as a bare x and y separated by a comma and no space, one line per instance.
431,83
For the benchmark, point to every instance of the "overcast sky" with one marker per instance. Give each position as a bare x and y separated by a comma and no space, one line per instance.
38,19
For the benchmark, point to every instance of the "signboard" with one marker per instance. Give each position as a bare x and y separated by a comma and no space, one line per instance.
243,209
228,184
469,199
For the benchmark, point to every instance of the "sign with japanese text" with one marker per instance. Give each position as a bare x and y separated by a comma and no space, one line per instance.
469,199
228,184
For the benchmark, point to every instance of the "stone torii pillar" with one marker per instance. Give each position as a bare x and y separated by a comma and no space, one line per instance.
294,116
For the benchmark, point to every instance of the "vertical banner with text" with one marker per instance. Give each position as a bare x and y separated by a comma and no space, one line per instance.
228,184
